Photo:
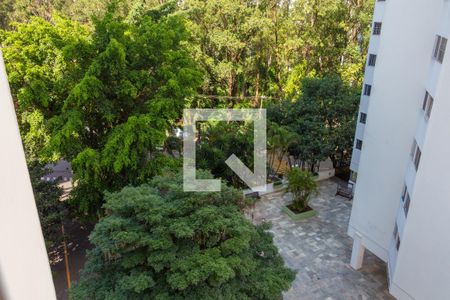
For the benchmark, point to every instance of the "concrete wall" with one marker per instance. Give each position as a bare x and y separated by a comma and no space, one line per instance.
24,268
422,270
403,58
404,70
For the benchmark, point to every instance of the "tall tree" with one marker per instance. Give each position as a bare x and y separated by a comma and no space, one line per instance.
107,97
336,104
84,11
158,242
226,36
51,210
324,119
6,8
44,61
218,141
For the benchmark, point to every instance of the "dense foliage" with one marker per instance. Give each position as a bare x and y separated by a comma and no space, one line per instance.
248,49
323,118
302,185
158,242
217,142
101,84
105,99
257,49
51,210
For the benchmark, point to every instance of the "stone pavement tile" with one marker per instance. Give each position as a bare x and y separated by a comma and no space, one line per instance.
319,250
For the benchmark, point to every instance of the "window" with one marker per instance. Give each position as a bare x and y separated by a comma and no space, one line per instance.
427,105
417,158
416,154
413,149
359,144
376,28
406,200
372,60
406,204
353,176
363,118
396,237
439,48
367,89
404,193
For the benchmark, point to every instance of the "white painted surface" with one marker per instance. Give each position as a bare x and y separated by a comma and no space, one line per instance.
24,268
404,70
357,252
423,263
403,60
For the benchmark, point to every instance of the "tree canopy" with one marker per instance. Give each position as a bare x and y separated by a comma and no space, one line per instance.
217,142
248,49
103,99
102,83
323,118
158,242
51,210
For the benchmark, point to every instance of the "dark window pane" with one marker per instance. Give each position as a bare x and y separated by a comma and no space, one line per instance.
372,59
367,89
359,144
363,118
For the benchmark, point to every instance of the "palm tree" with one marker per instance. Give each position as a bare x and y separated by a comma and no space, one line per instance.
280,138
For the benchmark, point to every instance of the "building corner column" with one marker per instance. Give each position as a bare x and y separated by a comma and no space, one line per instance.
357,258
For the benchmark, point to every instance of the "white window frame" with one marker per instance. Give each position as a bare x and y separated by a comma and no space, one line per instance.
406,204
377,28
439,48
427,105
372,60
416,155
367,90
362,118
358,144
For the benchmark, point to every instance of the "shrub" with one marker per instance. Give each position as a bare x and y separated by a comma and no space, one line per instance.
302,185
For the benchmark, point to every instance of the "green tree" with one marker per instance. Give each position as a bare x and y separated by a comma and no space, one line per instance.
279,140
107,98
226,36
336,106
302,185
218,141
44,61
327,37
323,118
50,209
84,11
158,242
6,8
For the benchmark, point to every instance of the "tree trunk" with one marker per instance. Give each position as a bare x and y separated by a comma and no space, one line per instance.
280,161
256,100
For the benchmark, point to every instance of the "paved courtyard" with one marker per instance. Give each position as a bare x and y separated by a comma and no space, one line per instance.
318,249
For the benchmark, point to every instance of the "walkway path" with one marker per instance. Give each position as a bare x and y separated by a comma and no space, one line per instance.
319,249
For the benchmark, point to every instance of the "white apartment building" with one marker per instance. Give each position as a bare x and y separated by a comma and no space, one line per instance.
400,165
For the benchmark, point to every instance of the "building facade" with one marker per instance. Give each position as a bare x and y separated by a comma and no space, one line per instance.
401,208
